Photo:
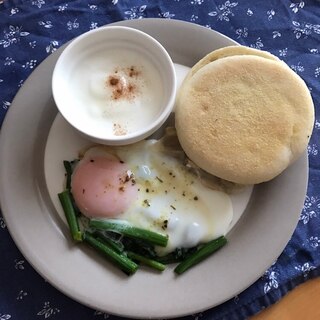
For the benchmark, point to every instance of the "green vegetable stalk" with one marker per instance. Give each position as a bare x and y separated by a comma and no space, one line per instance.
128,230
202,253
66,202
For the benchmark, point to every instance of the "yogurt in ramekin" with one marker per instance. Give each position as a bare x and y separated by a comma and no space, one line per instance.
116,85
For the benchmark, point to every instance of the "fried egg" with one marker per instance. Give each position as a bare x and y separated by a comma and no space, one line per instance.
151,189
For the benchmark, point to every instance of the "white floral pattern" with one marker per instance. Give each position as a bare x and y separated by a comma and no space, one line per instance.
197,2
249,12
63,7
242,32
46,24
92,7
136,12
101,314
312,149
73,24
305,268
93,25
2,223
5,106
32,44
270,14
38,3
194,18
14,11
283,52
166,15
12,36
296,6
47,311
19,264
276,34
8,61
21,295
258,44
314,242
302,29
52,46
297,67
314,50
224,11
20,83
29,64
271,280
310,209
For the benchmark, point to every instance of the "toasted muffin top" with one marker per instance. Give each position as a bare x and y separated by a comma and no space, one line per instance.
244,118
228,52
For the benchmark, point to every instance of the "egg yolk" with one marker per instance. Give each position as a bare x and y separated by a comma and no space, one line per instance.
103,187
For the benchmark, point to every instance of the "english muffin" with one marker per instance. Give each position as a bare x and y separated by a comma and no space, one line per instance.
228,52
244,118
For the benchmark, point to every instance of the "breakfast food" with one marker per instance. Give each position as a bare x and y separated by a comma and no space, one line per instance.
146,191
244,118
228,52
113,88
151,189
115,85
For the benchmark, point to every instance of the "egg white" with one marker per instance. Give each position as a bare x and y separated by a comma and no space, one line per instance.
170,200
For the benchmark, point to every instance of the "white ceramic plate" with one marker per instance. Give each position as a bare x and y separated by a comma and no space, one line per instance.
254,243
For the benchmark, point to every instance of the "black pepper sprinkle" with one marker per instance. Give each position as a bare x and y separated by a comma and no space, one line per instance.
183,193
83,191
146,202
91,160
121,189
165,224
173,207
195,198
165,191
170,173
160,180
147,190
121,161
139,189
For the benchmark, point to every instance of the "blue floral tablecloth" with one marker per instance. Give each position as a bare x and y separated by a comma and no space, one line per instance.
31,30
